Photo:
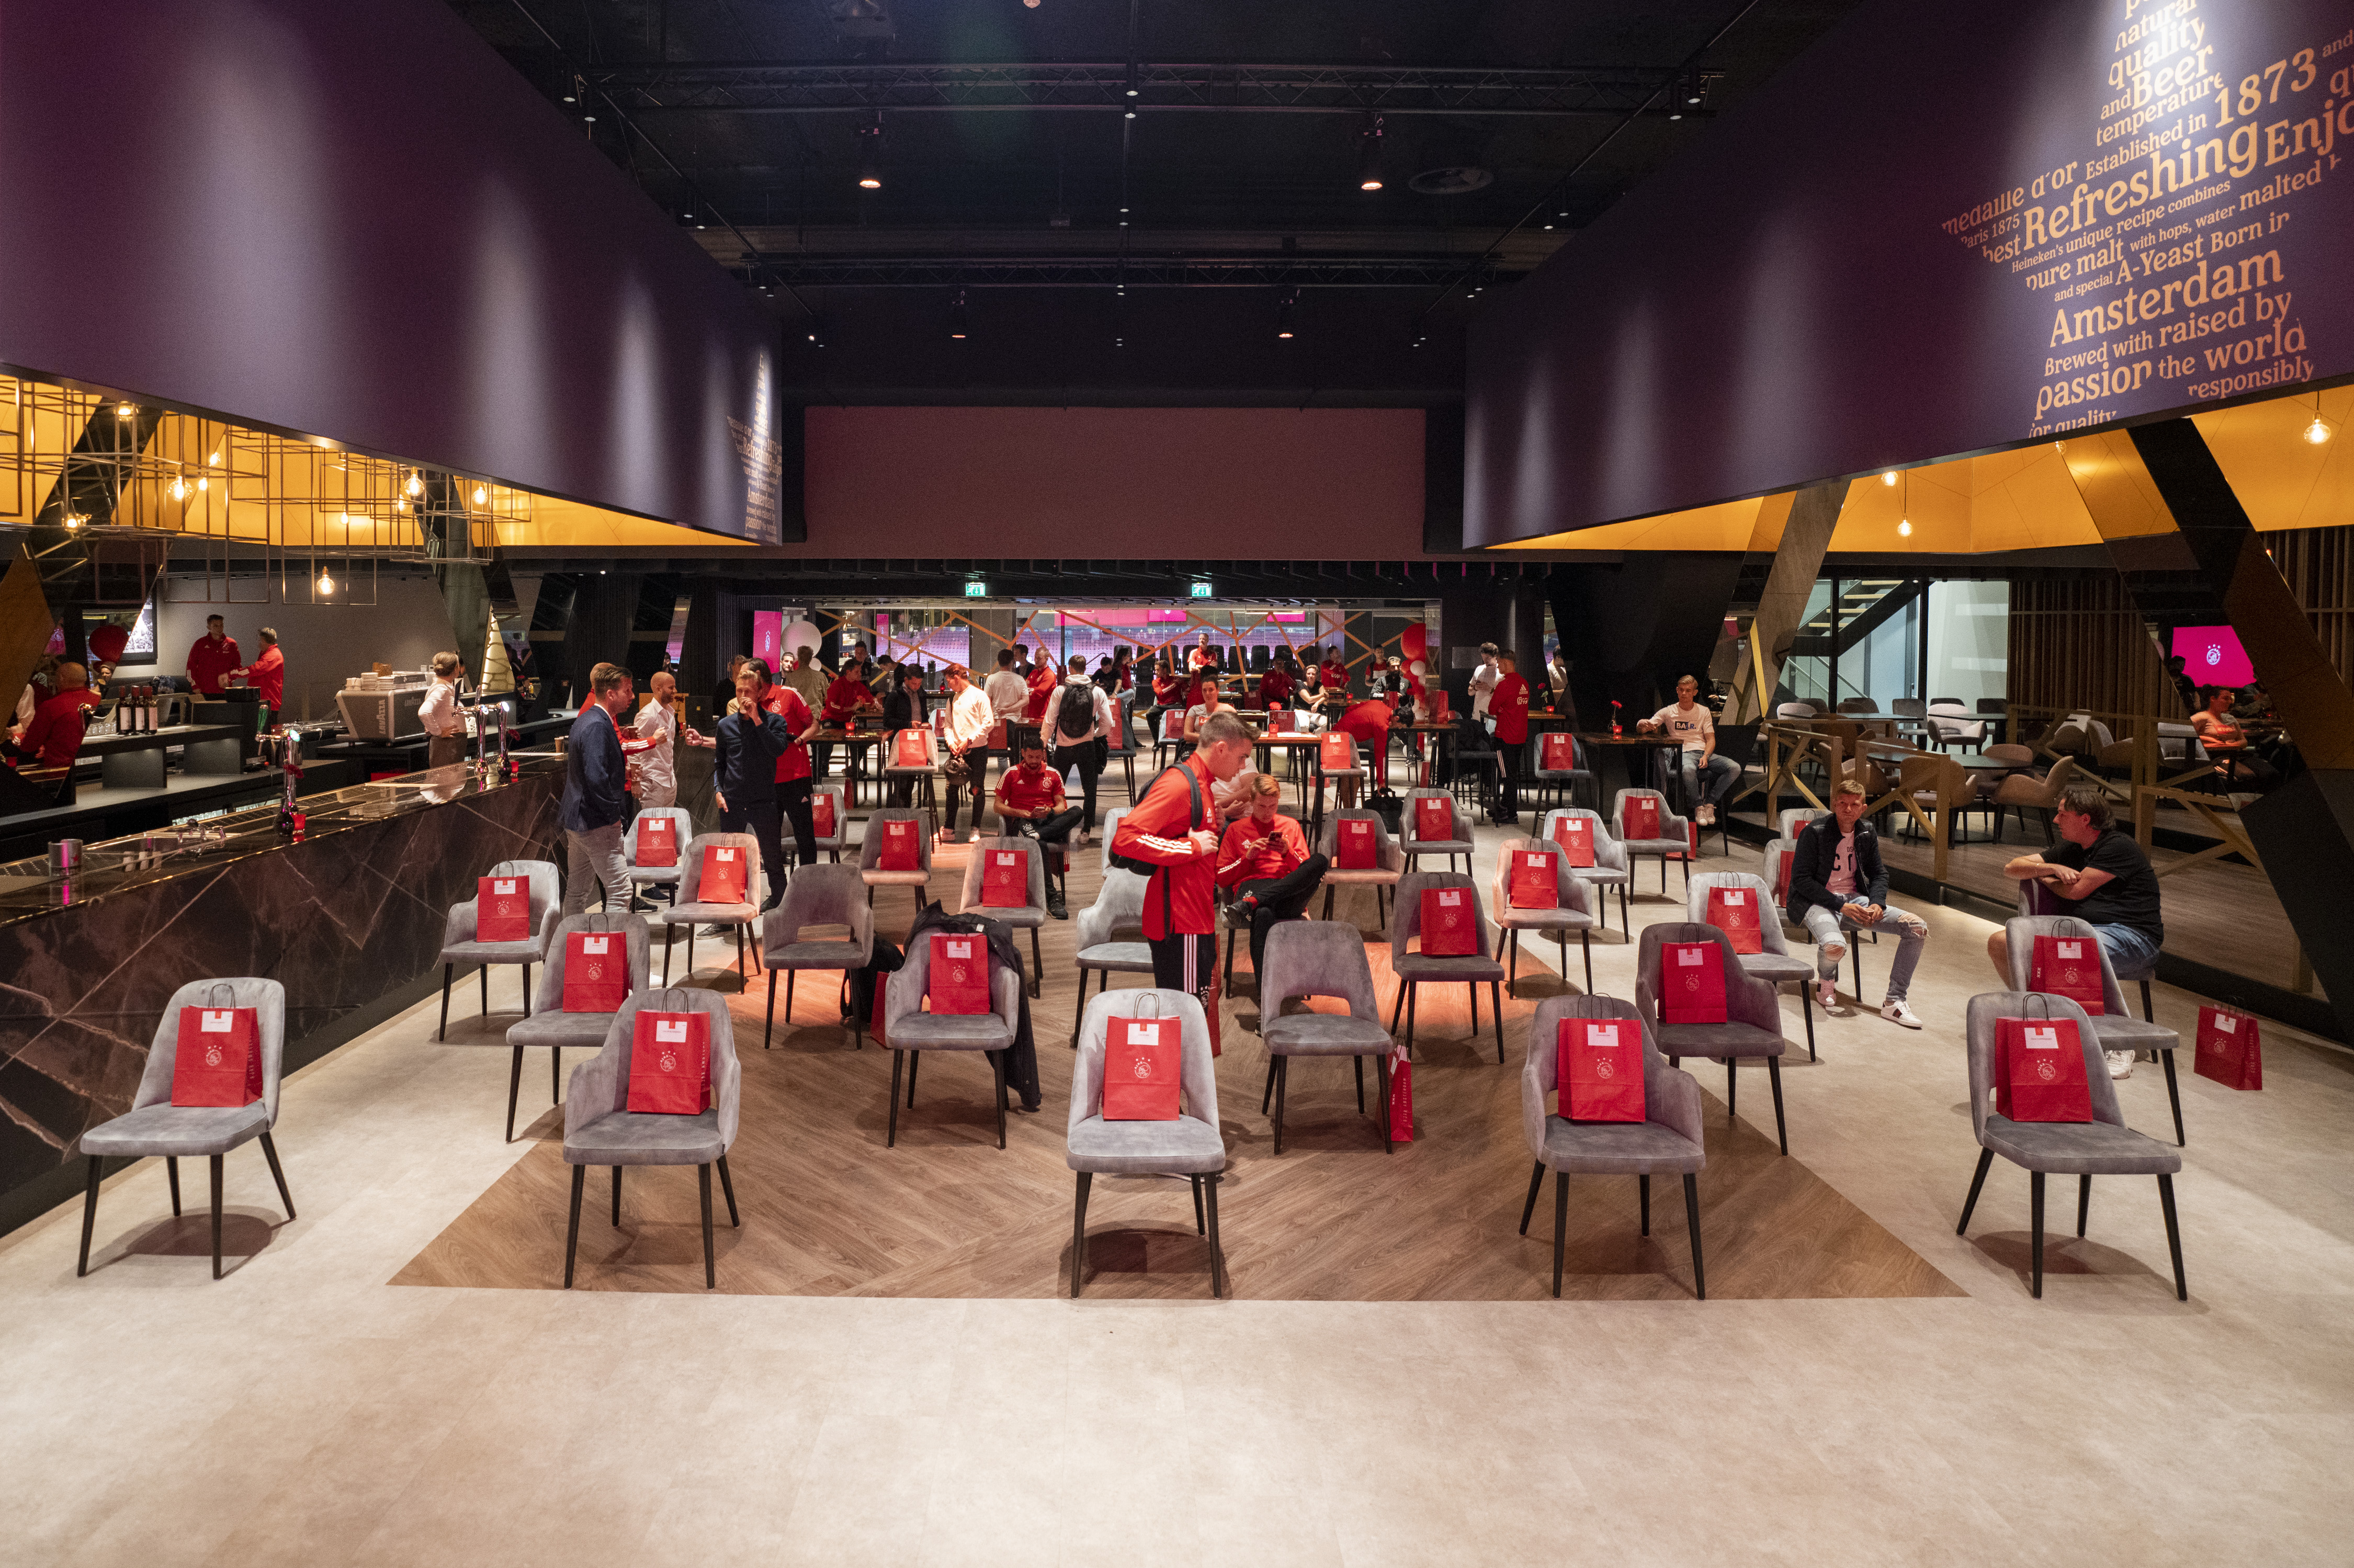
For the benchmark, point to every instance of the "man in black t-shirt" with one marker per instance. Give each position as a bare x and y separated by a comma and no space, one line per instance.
2102,878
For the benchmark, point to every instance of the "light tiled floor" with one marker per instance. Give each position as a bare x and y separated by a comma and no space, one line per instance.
305,1411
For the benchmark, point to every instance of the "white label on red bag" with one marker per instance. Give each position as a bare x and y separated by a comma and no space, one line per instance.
724,854
1144,1033
2069,949
1006,858
897,830
2224,1021
1602,1034
959,950
1533,861
1449,897
594,944
1734,897
657,828
217,1022
1688,957
670,1032
503,886
2042,1039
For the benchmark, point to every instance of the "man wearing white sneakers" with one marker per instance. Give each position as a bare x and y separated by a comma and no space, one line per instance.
1836,873
1708,778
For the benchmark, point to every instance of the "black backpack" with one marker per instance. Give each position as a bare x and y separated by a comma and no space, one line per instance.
1076,714
1194,784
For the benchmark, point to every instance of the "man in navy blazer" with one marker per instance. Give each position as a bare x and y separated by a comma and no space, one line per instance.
595,781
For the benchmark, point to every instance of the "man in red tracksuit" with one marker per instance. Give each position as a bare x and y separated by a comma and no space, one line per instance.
1508,710
1265,860
1164,831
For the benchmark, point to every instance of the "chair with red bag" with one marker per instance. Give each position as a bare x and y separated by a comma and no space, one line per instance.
666,1090
1319,958
1647,829
1594,844
2062,1122
1737,1017
1720,898
511,919
1547,752
829,808
595,963
1026,890
1421,829
2037,898
1111,934
1457,955
818,897
910,1031
1379,867
652,850
2056,954
1535,890
1604,1119
210,1084
898,856
719,884
1128,1119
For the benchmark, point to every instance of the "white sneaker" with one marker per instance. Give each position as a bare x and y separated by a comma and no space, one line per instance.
2121,1064
1707,816
1895,1011
1826,994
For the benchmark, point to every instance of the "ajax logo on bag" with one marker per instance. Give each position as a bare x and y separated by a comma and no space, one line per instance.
957,973
1141,1067
2046,1071
1691,982
1605,1068
670,1061
596,972
212,1055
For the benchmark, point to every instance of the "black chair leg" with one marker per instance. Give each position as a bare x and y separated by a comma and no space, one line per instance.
443,1031
1806,1012
2083,1201
1200,1225
728,1185
483,974
1496,996
572,1231
1409,1022
2173,1236
555,1074
1217,1252
1358,1063
2173,1096
1774,1076
1038,968
1692,1219
1079,1229
898,1060
1585,945
2035,1245
1398,1006
2147,1015
670,940
1970,1203
278,1174
1731,1088
1267,1091
1560,1226
769,1028
1474,989
89,1211
1643,1188
172,1174
514,1090
215,1161
1282,1081
997,1062
1536,1185
527,990
617,1197
710,1266
1513,968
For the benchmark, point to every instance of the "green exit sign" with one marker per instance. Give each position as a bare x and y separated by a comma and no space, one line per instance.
976,589
1201,589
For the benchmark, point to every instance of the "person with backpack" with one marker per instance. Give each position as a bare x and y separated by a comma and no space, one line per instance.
1077,725
1171,835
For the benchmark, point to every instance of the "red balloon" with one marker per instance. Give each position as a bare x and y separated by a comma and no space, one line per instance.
108,642
1414,642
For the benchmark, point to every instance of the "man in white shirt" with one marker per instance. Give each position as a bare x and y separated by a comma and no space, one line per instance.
445,726
968,725
658,722
1077,726
1484,679
1686,722
1009,699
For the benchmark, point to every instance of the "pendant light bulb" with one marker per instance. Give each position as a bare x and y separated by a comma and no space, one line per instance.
1904,527
179,488
1888,478
2318,431
416,485
326,583
482,494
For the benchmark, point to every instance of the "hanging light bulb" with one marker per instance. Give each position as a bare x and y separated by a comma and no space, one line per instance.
416,485
203,484
1888,478
326,583
482,494
179,488
1283,316
870,154
1903,507
1369,156
1904,527
125,410
400,504
2318,431
960,323
75,520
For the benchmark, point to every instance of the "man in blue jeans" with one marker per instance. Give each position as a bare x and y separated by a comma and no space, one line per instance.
1708,778
1838,881
2100,876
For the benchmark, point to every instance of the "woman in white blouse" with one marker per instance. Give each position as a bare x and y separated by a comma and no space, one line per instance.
445,726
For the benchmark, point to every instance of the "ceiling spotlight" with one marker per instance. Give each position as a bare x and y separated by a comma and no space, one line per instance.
326,583
589,117
1904,527
481,493
179,488
870,155
76,519
400,504
1283,315
416,485
203,484
1131,79
1369,156
960,323
1888,478
125,410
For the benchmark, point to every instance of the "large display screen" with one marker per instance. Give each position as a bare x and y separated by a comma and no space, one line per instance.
2211,655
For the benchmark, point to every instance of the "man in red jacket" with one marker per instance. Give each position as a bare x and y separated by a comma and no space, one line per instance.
1265,860
1170,832
1508,708
52,739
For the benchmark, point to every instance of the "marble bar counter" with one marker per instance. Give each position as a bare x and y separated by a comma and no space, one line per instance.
349,919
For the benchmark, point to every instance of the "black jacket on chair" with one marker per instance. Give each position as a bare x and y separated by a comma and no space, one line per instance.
1810,866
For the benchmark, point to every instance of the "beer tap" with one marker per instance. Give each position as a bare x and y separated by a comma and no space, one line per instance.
288,743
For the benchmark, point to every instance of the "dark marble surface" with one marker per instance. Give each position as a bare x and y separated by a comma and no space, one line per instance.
349,915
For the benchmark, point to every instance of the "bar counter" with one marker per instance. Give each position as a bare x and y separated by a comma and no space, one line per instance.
349,919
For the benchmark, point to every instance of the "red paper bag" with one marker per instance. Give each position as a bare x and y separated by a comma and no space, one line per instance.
1575,837
959,980
1782,880
1558,752
995,739
1535,886
725,874
2070,966
909,749
1638,817
1734,911
1004,879
657,841
1438,714
502,909
899,851
1434,818
2040,1071
2230,1051
1447,930
1599,1069
218,1060
821,816
1691,982
670,1064
1355,844
596,972
1336,753
1401,1106
1142,1058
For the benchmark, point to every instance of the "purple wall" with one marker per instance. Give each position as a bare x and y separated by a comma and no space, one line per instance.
355,220
1826,285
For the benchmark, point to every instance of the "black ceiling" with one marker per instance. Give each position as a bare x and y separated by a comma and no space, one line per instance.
742,119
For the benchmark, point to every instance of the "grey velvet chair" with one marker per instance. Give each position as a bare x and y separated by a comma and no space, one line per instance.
1456,845
1793,818
1566,783
1111,936
1191,1147
1770,862
2102,1147
1321,958
1753,1013
2034,898
1414,969
651,876
1674,843
2118,1028
1110,820
827,894
1389,862
690,910
1574,900
1668,1141
1777,964
601,1129
553,1027
870,853
155,1126
459,946
1610,867
1028,917
830,844
909,1031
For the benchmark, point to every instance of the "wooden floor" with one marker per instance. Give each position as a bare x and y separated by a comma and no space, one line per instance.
829,1211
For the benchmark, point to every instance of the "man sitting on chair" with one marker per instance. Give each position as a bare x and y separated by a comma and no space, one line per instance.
1708,778
1264,859
1835,871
